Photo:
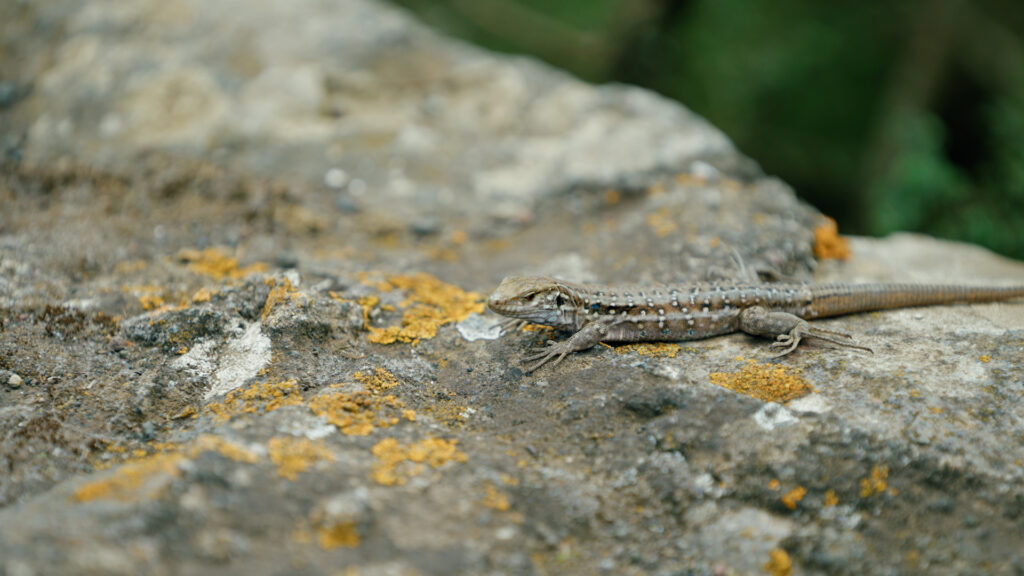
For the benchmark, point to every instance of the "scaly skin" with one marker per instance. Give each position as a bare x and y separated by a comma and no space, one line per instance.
702,310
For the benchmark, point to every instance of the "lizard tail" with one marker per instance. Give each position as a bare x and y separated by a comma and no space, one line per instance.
839,299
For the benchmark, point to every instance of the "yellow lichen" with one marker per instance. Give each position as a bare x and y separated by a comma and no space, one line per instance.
793,497
398,462
294,455
779,563
227,449
652,349
495,498
662,222
134,481
281,290
774,484
830,498
767,382
217,264
828,244
875,483
151,301
342,535
358,413
259,398
203,295
429,305
380,381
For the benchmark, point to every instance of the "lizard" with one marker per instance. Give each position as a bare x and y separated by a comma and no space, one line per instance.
650,313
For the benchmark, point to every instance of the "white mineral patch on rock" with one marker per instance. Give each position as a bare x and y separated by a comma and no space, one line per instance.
477,327
243,358
772,416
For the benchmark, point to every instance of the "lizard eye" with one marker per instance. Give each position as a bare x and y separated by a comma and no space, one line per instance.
559,300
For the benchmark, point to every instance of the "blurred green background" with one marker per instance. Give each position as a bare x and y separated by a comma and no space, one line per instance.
899,115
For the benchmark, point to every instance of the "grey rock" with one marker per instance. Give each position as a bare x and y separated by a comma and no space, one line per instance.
358,409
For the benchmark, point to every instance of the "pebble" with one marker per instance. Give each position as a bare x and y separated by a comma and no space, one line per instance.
14,381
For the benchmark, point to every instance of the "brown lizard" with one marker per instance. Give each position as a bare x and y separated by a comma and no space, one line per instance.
702,310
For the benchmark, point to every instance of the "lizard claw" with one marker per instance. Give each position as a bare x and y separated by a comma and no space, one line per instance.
541,356
792,339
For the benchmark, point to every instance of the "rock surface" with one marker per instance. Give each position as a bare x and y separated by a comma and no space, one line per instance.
243,250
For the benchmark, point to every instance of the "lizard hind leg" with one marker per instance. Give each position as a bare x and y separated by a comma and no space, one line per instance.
788,330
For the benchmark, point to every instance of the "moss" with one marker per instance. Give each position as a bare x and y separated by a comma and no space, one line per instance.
767,382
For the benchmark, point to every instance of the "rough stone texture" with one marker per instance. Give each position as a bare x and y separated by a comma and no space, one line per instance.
216,218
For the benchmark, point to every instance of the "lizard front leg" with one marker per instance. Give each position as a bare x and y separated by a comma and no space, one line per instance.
788,329
587,337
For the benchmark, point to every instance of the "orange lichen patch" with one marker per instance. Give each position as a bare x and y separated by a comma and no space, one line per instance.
227,449
774,484
448,411
130,266
779,563
203,295
494,498
793,497
828,244
431,304
281,290
135,481
151,301
358,413
398,462
612,197
259,398
830,498
294,455
985,358
149,296
380,381
217,264
767,382
661,222
342,535
875,483
652,349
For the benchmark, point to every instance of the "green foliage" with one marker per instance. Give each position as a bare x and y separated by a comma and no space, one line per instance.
905,115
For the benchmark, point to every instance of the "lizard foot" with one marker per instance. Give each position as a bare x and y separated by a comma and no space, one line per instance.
541,356
789,341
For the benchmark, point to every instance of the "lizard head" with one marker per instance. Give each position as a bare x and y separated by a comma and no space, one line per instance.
537,299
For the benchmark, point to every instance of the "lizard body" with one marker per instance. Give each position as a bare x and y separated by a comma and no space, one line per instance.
702,310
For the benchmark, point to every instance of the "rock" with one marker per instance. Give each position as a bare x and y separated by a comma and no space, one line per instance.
245,254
